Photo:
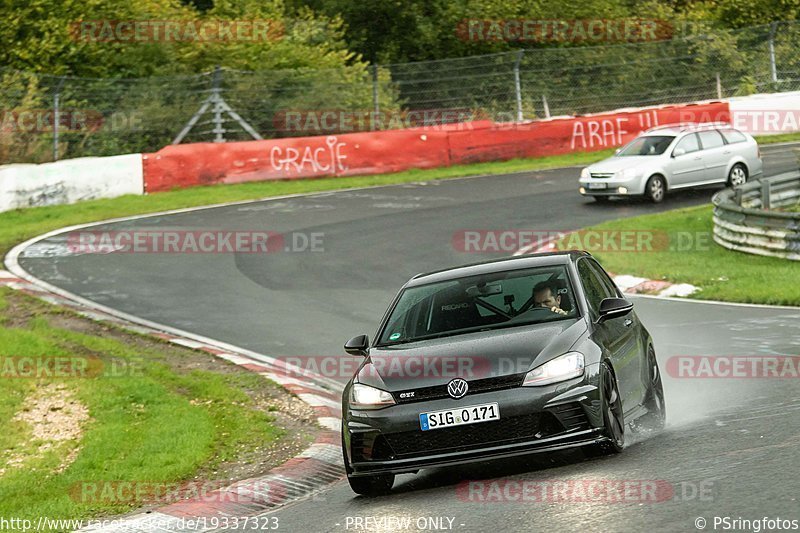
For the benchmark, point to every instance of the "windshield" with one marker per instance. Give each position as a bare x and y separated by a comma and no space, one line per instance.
647,145
489,301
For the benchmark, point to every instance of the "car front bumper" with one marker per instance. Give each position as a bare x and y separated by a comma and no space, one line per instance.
532,420
611,186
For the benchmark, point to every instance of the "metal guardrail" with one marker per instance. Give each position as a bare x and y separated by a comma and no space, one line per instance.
745,218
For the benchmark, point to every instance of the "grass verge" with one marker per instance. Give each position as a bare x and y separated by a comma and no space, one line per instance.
683,251
119,407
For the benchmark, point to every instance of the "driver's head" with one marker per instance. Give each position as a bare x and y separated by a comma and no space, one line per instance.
545,295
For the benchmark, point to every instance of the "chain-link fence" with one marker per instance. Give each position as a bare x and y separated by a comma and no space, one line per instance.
46,117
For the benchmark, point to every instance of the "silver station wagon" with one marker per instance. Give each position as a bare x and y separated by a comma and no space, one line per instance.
674,157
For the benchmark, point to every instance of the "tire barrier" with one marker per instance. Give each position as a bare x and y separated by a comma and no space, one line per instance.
746,218
378,152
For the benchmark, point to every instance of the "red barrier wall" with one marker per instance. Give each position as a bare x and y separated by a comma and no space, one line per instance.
391,151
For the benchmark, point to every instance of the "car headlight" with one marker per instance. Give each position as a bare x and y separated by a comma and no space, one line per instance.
627,173
366,397
585,174
562,368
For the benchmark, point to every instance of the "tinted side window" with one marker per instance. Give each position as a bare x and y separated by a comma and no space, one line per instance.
609,286
689,143
592,286
733,136
711,139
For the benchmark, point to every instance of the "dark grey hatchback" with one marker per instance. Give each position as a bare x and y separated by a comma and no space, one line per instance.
521,355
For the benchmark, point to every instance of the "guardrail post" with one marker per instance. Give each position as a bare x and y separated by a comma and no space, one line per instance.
546,107
57,116
765,199
773,68
737,196
719,88
518,86
376,106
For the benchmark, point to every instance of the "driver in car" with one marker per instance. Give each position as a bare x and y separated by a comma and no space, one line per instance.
546,295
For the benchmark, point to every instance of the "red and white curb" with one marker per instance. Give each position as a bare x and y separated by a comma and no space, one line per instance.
300,477
626,283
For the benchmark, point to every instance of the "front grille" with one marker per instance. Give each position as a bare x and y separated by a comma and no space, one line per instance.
460,438
602,175
476,386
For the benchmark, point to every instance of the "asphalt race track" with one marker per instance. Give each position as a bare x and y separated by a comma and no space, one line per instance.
730,446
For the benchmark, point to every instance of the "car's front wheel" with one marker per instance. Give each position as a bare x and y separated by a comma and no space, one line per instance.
367,485
613,419
656,415
371,485
656,189
737,176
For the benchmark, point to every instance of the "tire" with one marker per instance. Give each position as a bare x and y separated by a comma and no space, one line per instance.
367,485
737,175
656,416
371,485
656,189
613,418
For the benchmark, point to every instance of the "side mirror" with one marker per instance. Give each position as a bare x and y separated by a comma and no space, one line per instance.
357,345
613,308
678,152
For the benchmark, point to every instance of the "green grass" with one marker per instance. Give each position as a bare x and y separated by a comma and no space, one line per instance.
19,225
692,257
778,138
156,424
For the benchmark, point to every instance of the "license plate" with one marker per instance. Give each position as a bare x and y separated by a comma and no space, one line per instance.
470,414
594,185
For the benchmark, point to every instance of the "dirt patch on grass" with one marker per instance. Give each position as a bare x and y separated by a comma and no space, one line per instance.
54,417
289,413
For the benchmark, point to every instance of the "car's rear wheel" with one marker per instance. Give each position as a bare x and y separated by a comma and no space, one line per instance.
367,485
613,419
737,176
654,402
656,189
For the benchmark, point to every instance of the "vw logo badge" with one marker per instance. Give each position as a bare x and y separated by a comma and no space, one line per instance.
457,388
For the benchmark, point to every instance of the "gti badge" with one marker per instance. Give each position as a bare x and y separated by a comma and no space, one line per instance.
457,388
